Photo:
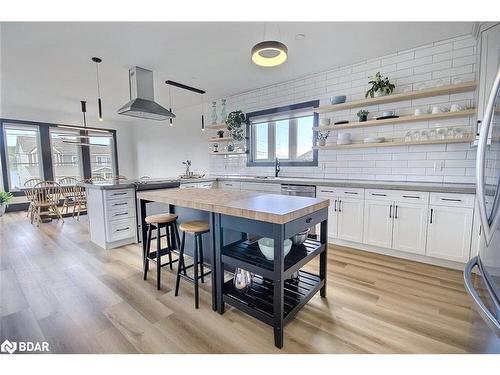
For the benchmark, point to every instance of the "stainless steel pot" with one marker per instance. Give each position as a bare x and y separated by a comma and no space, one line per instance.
300,238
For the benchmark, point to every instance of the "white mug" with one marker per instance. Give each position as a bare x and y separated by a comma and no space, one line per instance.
420,111
437,109
324,121
456,108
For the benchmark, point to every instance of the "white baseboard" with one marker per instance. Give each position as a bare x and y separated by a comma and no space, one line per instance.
399,254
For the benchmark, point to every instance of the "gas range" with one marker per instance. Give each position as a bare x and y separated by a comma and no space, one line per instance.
153,184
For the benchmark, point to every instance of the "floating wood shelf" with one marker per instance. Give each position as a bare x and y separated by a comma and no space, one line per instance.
425,93
228,153
397,142
399,120
220,126
219,139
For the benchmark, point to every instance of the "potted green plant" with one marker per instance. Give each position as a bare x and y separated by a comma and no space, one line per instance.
235,122
380,86
5,198
220,133
322,137
362,115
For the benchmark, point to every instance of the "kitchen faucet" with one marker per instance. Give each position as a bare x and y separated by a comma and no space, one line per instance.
276,167
187,163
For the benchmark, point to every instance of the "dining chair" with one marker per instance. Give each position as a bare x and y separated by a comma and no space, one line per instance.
79,200
46,197
68,185
97,179
120,177
29,193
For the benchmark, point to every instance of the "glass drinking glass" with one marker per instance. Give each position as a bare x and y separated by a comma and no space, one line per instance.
450,133
424,136
432,134
459,133
441,133
408,137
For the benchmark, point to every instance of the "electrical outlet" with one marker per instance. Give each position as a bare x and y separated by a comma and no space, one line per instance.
438,166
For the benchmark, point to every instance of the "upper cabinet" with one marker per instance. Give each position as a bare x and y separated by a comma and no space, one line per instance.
489,63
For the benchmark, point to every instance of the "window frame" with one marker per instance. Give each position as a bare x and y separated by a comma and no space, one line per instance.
78,163
46,150
253,162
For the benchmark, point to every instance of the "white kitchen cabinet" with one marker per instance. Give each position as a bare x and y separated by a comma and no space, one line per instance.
410,227
199,185
345,214
349,223
378,223
449,232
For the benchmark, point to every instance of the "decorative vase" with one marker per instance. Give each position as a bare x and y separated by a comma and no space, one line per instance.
223,114
216,147
220,133
363,118
322,142
242,280
3,206
214,113
230,147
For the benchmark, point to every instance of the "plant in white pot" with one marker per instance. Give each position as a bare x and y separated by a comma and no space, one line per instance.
4,201
322,137
380,86
235,122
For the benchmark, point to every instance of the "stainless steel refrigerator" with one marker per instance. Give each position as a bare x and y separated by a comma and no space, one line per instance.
484,287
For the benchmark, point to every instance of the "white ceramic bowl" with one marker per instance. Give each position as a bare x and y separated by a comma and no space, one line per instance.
266,246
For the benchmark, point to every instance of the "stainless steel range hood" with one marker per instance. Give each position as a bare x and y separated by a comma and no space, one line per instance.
142,104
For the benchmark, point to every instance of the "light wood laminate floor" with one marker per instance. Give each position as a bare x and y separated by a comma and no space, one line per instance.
58,287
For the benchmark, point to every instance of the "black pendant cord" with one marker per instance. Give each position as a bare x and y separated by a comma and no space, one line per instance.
97,61
202,116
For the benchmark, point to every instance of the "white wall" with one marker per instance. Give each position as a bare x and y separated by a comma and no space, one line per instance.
161,149
443,61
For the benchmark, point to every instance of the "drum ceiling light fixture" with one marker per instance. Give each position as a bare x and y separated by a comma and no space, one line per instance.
269,53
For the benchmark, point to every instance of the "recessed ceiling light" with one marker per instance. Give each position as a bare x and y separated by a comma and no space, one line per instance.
300,36
269,53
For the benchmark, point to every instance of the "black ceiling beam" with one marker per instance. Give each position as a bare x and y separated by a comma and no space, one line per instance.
185,87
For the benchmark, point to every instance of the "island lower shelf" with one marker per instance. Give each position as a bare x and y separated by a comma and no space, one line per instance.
258,300
246,255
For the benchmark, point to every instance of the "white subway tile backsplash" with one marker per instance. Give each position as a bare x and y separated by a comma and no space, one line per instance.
433,64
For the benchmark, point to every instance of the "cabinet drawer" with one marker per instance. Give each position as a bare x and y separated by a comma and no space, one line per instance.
120,229
417,197
229,185
120,204
452,200
119,194
382,195
327,192
120,213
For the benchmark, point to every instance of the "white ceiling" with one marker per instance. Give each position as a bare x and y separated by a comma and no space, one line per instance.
46,67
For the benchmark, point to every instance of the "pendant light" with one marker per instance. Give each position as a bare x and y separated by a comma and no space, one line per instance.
97,61
85,139
202,115
269,53
170,120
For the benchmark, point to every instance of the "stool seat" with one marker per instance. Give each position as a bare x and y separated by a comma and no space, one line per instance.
160,218
196,226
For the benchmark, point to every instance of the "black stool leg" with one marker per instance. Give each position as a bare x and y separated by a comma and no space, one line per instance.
195,268
168,228
146,254
158,257
201,259
180,265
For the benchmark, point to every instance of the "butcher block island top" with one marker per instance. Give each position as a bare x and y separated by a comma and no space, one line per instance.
272,208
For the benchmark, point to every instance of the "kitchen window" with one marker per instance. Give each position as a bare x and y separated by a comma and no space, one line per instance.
22,154
285,133
31,149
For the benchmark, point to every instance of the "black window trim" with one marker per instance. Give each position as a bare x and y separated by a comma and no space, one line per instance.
252,163
46,150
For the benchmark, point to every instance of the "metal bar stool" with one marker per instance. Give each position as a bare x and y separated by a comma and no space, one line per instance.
167,221
198,228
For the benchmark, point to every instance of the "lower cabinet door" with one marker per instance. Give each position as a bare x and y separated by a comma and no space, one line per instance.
449,233
332,219
350,219
410,227
378,223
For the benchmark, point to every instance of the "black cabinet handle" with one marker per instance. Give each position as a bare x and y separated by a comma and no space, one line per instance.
340,205
122,193
379,195
121,214
122,229
309,219
432,212
396,212
390,211
120,204
451,200
335,206
411,196
350,192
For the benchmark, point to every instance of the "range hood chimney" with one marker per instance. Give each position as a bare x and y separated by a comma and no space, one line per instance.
142,104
